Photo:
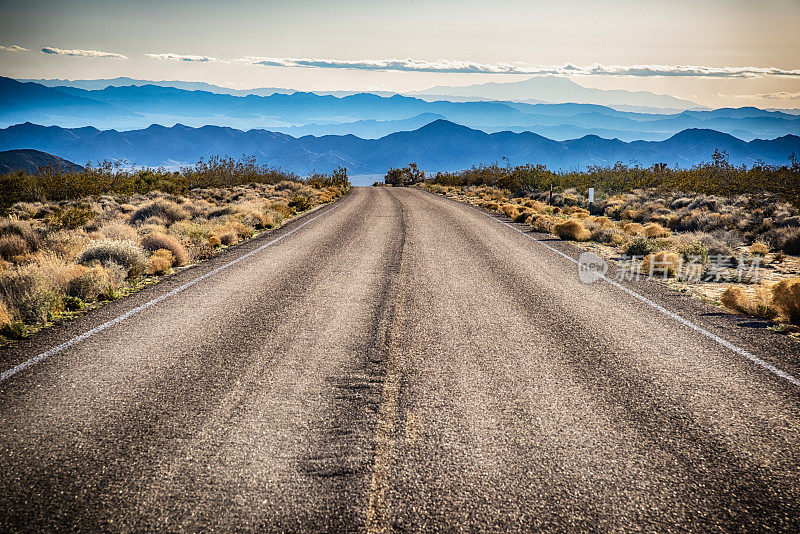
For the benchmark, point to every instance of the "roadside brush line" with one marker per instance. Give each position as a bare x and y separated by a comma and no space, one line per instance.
5,375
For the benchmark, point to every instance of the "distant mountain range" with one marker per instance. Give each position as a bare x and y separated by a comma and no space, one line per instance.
557,89
364,115
32,161
535,90
438,146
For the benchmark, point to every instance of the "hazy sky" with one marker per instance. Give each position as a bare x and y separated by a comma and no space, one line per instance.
713,52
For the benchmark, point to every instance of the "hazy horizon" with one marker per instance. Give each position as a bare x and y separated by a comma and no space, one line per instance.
717,53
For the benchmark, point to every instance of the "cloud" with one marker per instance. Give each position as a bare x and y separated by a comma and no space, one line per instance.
81,53
780,95
13,48
182,57
472,67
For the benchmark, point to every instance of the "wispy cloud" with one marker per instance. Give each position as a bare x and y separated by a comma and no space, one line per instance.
472,67
169,56
82,53
13,48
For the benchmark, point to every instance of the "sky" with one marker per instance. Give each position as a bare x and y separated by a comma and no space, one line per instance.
716,53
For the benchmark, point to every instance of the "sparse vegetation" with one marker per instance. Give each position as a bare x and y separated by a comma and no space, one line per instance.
706,226
69,240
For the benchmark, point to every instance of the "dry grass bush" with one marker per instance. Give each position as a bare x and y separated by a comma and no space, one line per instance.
632,229
31,294
509,210
67,244
542,223
654,230
89,283
786,300
21,229
571,230
12,246
661,263
785,239
6,319
160,262
228,237
759,249
118,230
610,235
164,210
122,253
156,241
194,231
214,240
757,303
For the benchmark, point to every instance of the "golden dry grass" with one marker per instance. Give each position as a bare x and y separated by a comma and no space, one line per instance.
661,263
632,229
654,230
759,249
571,230
758,302
160,262
786,300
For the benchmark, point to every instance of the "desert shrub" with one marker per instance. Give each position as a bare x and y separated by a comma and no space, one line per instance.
30,294
300,203
22,229
6,319
509,210
640,246
259,220
214,240
655,230
632,228
522,216
571,230
164,210
123,253
664,262
67,244
759,249
195,231
160,262
785,239
118,231
228,237
70,217
693,251
786,300
153,242
758,303
609,234
89,283
11,246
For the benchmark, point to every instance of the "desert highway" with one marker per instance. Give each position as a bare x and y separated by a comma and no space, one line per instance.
397,361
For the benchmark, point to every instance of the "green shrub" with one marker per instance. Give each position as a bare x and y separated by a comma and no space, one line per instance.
300,203
693,251
641,246
122,253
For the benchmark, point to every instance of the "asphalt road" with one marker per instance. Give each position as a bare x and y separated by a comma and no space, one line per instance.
401,362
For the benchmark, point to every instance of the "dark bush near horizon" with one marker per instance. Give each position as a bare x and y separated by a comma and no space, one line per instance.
715,178
55,184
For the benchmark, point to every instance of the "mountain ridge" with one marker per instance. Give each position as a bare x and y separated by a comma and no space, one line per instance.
440,145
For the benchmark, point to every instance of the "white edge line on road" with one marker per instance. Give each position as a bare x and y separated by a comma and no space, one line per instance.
5,375
725,343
